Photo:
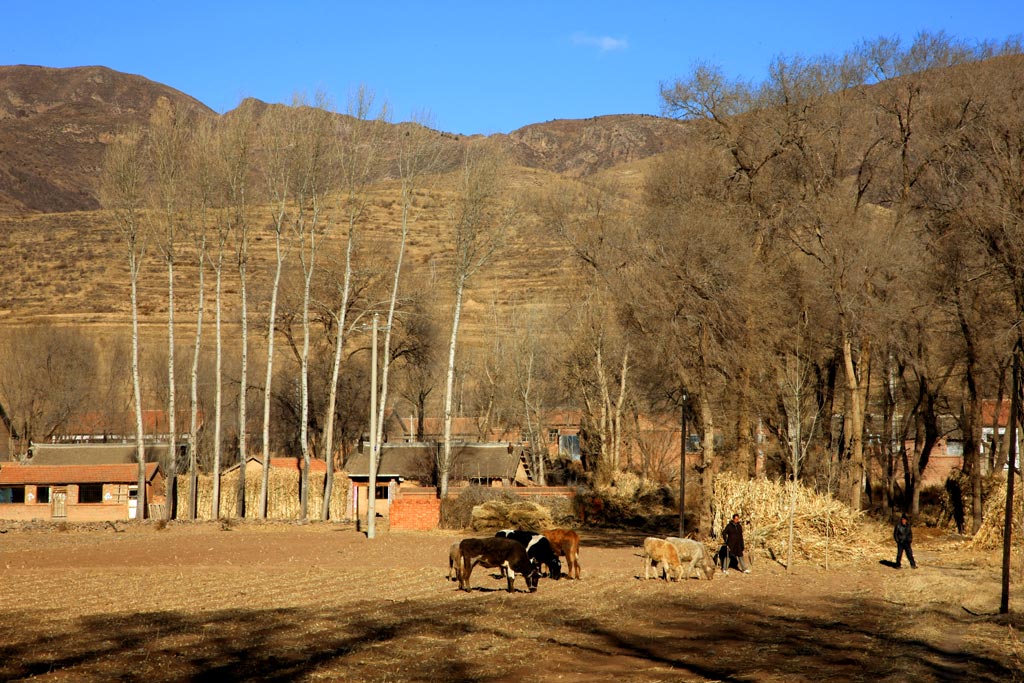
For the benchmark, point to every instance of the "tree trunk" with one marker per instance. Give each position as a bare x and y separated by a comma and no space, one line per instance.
271,328
341,320
856,391
172,417
193,429
140,448
444,466
242,392
218,393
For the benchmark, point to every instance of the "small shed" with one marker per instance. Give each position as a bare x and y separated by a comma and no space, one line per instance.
75,493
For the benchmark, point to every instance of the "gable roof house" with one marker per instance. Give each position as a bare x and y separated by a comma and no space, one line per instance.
75,493
80,482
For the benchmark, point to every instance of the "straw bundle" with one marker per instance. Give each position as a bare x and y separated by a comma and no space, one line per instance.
990,535
503,514
283,501
820,521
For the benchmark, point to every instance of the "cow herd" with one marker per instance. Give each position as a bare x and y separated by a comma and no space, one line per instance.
530,553
517,550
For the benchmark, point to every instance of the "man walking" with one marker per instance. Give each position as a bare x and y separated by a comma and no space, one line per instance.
904,536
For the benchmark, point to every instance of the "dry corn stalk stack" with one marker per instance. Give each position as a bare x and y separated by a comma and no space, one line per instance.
819,520
990,535
500,514
282,495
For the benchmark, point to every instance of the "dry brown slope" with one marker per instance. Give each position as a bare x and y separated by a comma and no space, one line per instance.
55,125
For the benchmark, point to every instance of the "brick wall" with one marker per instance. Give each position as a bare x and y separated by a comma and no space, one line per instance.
416,513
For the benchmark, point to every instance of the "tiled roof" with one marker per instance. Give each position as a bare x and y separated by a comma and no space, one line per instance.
294,464
408,461
92,453
73,474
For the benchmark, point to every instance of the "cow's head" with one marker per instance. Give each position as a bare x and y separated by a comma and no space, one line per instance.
555,567
533,576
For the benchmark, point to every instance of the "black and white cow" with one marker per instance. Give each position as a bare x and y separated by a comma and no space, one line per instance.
538,548
505,553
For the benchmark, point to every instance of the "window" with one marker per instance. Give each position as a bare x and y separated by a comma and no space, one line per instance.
569,445
553,435
12,494
42,494
90,493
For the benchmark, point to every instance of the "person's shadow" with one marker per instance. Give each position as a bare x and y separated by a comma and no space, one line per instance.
888,563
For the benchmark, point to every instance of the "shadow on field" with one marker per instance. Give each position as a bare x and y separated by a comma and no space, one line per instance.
469,638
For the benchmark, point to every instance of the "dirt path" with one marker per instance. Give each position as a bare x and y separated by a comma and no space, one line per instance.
322,603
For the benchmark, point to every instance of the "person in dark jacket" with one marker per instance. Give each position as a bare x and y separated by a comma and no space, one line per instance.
904,536
732,546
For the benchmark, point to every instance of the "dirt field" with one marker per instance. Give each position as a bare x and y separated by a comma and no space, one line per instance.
193,602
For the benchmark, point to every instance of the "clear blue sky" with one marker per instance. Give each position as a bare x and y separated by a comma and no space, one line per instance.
477,67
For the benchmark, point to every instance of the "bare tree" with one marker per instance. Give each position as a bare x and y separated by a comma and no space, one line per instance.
201,169
359,157
48,379
121,184
417,156
168,135
238,138
279,165
478,222
315,147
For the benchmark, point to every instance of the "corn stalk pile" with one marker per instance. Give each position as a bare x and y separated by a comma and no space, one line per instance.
819,521
990,535
283,500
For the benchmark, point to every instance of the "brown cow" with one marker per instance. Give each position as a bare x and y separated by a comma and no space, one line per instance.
663,555
566,543
505,553
453,560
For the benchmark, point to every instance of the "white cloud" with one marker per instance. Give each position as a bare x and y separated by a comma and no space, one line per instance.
603,43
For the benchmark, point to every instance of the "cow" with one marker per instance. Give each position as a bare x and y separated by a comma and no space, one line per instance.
538,548
453,561
696,554
505,553
664,556
566,543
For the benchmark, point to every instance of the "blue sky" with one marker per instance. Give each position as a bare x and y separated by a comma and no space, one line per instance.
476,67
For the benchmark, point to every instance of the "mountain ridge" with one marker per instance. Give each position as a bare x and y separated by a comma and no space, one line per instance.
55,124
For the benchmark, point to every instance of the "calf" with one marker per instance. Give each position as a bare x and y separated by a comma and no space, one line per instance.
566,543
505,553
664,556
696,554
538,548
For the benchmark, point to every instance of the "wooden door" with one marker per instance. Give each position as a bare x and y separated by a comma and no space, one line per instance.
59,502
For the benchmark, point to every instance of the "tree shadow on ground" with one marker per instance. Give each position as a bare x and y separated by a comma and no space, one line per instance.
490,637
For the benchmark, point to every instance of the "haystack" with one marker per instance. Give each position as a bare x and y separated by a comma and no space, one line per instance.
990,535
502,514
820,522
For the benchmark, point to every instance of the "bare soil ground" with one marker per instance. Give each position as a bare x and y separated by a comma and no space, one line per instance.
319,602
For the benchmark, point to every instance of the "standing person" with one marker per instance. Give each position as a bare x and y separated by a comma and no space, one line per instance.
904,536
732,539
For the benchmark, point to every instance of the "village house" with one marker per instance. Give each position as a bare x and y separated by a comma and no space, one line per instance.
75,493
405,466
